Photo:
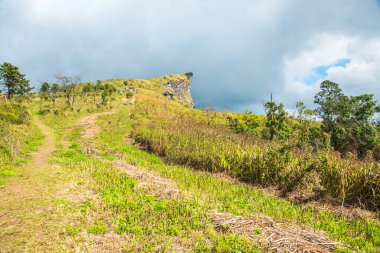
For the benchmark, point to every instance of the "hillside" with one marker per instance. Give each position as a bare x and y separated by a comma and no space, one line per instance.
127,165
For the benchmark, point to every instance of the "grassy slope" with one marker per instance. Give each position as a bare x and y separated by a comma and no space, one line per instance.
134,219
182,136
146,223
241,199
17,142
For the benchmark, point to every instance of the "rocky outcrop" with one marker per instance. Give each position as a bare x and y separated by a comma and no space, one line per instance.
179,86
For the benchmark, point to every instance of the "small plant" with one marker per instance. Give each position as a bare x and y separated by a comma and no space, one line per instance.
100,228
129,94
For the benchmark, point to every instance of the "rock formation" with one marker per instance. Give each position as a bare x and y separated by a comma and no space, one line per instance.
179,86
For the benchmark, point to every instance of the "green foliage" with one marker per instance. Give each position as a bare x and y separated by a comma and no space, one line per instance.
87,88
100,228
143,217
12,82
329,99
234,243
107,91
13,113
249,123
307,131
276,121
45,87
348,119
129,94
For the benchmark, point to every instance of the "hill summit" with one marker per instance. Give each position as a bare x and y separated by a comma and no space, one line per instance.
179,86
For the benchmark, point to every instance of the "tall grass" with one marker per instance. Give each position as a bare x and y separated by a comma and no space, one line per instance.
183,140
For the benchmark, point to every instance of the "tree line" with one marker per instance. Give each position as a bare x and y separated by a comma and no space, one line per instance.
344,123
69,88
13,82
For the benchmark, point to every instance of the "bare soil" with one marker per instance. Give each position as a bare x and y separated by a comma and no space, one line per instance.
88,123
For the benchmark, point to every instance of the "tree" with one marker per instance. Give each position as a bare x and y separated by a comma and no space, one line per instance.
69,87
276,121
96,89
12,82
305,119
328,99
347,119
45,87
87,89
54,92
309,130
363,128
107,90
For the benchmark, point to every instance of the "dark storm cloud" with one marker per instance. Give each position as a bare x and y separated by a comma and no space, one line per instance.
239,51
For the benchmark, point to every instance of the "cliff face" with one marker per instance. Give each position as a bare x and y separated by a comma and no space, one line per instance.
179,86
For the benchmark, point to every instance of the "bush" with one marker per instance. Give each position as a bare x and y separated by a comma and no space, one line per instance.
13,113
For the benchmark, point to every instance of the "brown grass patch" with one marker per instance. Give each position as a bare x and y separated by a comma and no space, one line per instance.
278,237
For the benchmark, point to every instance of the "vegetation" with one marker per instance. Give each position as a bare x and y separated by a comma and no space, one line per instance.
99,185
18,138
253,160
348,119
12,82
276,125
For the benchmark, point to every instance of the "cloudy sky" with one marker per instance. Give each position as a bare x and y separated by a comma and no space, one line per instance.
239,51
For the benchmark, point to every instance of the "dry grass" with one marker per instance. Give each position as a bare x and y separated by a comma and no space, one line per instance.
320,175
276,237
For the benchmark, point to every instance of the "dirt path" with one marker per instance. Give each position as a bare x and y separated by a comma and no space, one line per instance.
40,210
21,197
40,159
88,123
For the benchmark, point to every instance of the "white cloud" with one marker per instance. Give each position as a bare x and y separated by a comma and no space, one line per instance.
240,51
360,75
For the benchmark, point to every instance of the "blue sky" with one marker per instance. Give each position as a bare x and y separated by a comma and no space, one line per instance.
239,51
320,72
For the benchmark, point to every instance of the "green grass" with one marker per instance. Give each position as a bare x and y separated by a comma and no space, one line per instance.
17,143
152,224
99,228
222,195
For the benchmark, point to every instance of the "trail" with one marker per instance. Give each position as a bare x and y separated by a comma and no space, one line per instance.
40,159
40,208
20,198
88,123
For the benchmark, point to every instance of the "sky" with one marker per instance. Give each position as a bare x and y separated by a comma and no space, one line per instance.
239,51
